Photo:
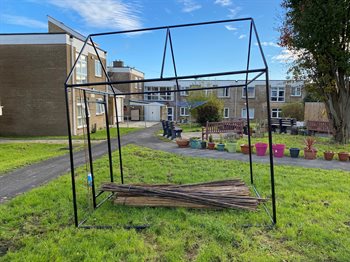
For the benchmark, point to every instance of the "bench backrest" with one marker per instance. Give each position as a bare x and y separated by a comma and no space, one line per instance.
319,126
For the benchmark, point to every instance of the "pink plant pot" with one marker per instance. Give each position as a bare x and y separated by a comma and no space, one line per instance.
278,150
261,149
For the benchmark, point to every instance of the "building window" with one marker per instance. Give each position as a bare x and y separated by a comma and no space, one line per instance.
296,91
277,94
185,91
164,96
100,107
251,92
223,92
81,114
81,70
184,111
244,113
226,112
276,113
98,68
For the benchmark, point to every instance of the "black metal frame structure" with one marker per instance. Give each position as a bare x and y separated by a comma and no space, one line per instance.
84,87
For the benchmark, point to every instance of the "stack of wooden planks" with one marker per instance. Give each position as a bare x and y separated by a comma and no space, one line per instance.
217,195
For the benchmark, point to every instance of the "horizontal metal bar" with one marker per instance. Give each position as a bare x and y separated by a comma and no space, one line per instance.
172,26
170,78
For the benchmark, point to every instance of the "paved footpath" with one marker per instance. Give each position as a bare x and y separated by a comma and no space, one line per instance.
26,178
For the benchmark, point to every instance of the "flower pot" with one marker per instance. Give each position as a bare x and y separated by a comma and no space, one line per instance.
261,149
245,148
294,152
231,147
204,144
310,154
220,147
328,155
182,142
195,144
278,150
211,145
343,156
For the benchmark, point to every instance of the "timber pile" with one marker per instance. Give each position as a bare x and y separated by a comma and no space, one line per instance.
217,195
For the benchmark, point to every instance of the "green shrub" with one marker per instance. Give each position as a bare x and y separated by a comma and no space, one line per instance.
293,110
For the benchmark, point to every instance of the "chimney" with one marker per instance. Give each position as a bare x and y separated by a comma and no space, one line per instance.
118,63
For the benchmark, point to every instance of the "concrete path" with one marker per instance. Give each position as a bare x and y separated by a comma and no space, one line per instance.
24,179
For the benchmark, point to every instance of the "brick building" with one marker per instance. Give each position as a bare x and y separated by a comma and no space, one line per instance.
281,92
33,69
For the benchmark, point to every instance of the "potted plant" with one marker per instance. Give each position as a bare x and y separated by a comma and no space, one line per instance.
195,142
343,156
221,145
231,143
309,151
278,150
245,148
328,155
204,144
294,152
261,148
182,142
211,144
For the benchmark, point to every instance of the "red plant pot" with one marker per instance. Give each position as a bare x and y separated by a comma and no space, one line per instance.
278,150
343,156
261,149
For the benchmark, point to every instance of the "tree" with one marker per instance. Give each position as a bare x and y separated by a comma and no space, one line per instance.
318,32
211,110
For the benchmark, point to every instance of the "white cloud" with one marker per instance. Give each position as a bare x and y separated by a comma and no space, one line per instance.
286,56
189,5
242,36
231,28
268,44
233,12
223,2
112,14
23,21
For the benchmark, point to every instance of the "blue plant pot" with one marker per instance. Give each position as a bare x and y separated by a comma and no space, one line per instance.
294,152
220,147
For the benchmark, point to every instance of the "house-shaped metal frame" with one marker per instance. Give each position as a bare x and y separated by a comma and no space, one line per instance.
85,88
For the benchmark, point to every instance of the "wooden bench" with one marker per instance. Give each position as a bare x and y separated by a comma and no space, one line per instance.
222,127
282,124
319,126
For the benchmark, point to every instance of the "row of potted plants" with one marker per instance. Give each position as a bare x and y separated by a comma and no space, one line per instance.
230,144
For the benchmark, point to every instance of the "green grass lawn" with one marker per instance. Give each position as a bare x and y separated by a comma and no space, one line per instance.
98,135
313,217
14,155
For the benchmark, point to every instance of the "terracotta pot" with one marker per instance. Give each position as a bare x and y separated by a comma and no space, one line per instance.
211,145
245,148
310,154
343,156
328,155
182,142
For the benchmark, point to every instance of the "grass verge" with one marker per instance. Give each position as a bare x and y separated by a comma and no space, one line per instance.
312,204
15,155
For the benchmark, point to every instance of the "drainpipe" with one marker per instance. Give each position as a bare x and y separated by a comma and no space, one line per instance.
74,123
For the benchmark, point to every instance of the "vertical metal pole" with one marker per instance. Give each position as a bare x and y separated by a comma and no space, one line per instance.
174,65
119,145
89,147
108,139
272,172
164,53
75,209
247,108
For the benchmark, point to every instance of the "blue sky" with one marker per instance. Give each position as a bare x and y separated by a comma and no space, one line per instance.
202,50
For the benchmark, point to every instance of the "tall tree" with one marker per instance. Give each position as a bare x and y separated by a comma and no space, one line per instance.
318,32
